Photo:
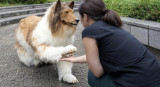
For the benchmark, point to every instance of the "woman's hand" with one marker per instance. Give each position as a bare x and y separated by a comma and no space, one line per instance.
80,59
70,59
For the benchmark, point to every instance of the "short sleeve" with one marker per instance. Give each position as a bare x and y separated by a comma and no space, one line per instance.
98,31
88,33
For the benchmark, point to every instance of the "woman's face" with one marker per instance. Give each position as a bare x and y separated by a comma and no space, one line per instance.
84,21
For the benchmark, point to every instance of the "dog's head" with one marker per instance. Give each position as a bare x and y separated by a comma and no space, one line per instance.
66,13
62,15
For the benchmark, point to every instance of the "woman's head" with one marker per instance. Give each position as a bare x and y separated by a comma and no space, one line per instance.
96,10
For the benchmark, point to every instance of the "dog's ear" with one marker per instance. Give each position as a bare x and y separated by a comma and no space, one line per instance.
58,5
71,4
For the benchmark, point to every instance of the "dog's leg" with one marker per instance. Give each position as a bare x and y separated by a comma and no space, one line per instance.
26,58
65,72
51,54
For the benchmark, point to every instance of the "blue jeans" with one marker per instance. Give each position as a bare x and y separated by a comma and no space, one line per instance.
157,86
104,81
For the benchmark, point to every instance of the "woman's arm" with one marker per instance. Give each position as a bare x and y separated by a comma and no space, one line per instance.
92,56
80,59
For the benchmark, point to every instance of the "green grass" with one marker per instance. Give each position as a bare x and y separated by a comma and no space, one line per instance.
139,9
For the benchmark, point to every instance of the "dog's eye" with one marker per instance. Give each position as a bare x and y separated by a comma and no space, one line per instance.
66,12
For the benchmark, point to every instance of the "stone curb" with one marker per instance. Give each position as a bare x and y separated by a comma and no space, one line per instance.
17,19
21,12
147,32
141,23
22,7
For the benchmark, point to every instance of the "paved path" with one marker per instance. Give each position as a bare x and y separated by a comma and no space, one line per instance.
15,74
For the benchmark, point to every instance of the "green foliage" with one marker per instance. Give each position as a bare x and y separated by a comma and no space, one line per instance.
140,9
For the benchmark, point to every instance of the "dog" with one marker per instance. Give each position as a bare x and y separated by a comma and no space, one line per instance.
47,39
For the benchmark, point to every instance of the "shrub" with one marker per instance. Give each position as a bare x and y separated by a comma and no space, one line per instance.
140,9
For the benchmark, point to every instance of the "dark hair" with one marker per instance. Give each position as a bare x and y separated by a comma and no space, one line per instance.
96,9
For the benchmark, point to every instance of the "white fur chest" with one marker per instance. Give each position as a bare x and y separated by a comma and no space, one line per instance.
62,42
44,36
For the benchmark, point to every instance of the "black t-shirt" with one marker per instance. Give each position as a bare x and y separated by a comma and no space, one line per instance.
123,57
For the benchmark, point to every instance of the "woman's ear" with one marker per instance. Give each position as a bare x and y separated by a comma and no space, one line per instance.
85,17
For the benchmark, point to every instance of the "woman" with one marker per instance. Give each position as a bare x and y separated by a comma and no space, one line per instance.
114,57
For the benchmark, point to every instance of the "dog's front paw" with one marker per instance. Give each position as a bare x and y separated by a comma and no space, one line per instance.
70,49
67,55
70,78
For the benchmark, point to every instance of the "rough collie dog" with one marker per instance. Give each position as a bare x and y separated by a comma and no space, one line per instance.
49,38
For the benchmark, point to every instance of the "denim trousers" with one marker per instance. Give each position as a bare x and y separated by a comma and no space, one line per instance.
104,81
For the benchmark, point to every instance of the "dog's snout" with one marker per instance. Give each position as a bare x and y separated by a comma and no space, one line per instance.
77,20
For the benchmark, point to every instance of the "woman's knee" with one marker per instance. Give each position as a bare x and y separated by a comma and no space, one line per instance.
91,79
104,81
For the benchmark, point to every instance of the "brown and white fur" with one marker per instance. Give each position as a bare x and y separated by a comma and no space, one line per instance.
48,38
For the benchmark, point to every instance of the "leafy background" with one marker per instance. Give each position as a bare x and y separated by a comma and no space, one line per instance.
139,9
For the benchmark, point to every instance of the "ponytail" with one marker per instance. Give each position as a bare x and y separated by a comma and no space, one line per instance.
112,18
96,10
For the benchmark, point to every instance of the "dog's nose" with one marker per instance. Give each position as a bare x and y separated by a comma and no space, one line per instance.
77,20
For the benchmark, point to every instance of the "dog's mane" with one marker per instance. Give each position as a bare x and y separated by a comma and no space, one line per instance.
54,18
